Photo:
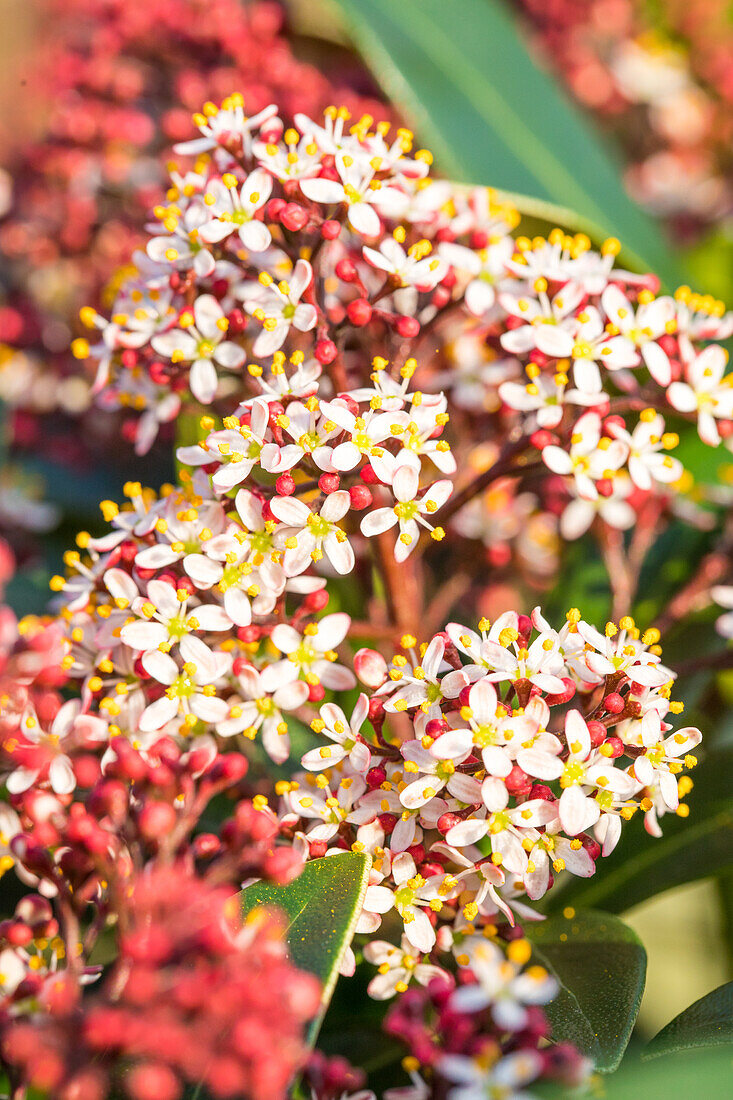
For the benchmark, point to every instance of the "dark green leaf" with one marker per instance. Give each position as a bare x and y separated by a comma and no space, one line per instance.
601,966
642,866
463,74
706,1023
322,907
690,1075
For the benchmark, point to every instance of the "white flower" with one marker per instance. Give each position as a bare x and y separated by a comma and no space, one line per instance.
505,1078
652,318
545,396
606,655
584,772
614,510
408,512
422,686
417,435
594,345
397,967
225,126
233,211
437,771
591,457
723,595
706,392
278,307
502,986
179,243
238,448
359,190
311,654
367,432
660,761
164,620
306,536
200,341
646,464
412,895
256,709
549,326
485,266
295,158
69,725
334,725
190,691
325,805
416,267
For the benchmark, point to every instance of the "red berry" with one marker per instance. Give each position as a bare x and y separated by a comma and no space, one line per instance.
330,229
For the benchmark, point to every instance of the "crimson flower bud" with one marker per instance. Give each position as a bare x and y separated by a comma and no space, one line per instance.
436,726
388,822
330,229
597,733
360,497
562,697
325,352
368,475
285,485
518,782
614,703
346,271
274,209
447,821
359,312
615,747
315,693
541,790
329,483
408,327
316,601
152,1081
375,777
156,819
294,217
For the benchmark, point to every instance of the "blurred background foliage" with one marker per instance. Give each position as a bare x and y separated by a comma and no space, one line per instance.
471,76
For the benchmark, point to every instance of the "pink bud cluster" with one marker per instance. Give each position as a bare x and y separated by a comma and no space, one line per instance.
193,998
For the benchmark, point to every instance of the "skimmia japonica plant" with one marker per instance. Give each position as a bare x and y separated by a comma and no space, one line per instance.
384,395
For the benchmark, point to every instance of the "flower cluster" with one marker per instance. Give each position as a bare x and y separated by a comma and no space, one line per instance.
527,749
329,301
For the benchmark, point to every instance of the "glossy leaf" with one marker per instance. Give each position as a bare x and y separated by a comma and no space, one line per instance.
691,1075
462,73
601,966
322,907
706,1023
642,866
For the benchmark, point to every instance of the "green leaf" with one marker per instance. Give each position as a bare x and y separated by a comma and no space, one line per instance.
706,1023
601,966
642,866
462,73
322,906
690,1075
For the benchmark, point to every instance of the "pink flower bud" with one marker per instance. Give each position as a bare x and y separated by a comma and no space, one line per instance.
370,667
